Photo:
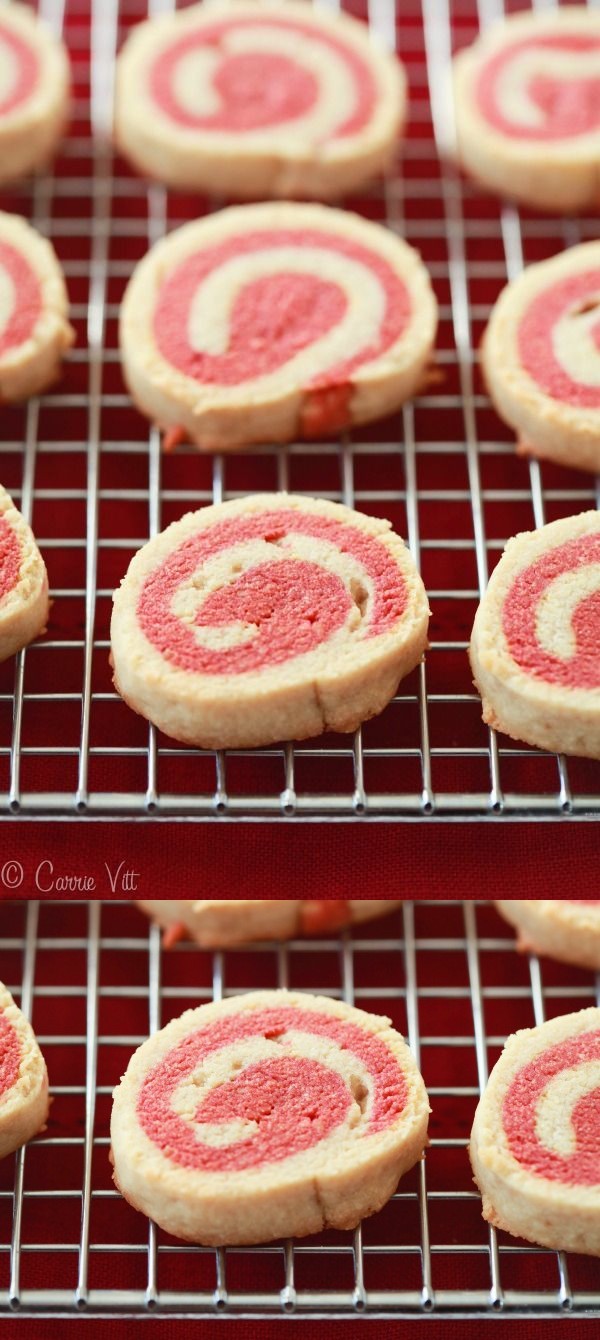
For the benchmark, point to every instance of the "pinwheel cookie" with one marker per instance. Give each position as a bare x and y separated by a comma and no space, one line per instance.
541,357
34,309
258,99
216,923
535,1143
267,1115
23,1078
268,618
269,322
535,643
24,600
527,98
34,92
568,930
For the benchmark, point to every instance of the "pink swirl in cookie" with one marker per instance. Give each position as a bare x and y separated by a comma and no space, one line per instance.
563,323
20,298
543,88
10,558
534,1116
271,1108
279,609
523,606
313,303
10,1055
19,70
247,74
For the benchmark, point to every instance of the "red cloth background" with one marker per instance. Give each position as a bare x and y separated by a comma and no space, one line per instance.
358,860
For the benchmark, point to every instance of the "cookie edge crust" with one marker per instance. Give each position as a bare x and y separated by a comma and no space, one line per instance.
23,617
23,1112
515,1200
557,176
232,167
550,928
274,1205
276,703
227,419
544,715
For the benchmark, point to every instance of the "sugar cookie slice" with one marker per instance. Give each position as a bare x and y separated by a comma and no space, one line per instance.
268,1115
258,99
269,322
568,930
527,99
536,637
535,1143
541,357
23,1078
34,92
268,618
24,603
34,310
216,923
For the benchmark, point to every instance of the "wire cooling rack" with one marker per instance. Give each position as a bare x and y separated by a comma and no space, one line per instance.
95,982
84,467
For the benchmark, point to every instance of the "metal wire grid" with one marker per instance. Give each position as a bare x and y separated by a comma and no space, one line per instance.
75,1244
68,746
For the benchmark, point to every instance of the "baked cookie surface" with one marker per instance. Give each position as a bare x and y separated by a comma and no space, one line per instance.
534,645
267,322
34,92
541,357
23,1078
565,929
535,1144
24,603
257,100
34,311
272,617
527,104
267,1115
216,923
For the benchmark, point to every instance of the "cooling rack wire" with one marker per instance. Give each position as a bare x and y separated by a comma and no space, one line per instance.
95,982
92,480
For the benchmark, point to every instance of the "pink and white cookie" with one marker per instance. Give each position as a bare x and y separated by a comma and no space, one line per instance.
268,1115
527,99
24,1098
269,618
269,322
34,310
535,1143
24,602
34,92
536,638
252,99
217,923
541,358
567,930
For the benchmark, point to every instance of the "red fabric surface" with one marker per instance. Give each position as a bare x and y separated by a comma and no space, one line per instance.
358,860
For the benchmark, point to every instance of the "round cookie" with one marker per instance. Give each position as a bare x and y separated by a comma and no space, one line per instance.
253,100
24,603
272,617
534,645
535,1143
270,322
527,106
24,1098
268,1115
34,310
217,923
540,357
34,92
568,930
